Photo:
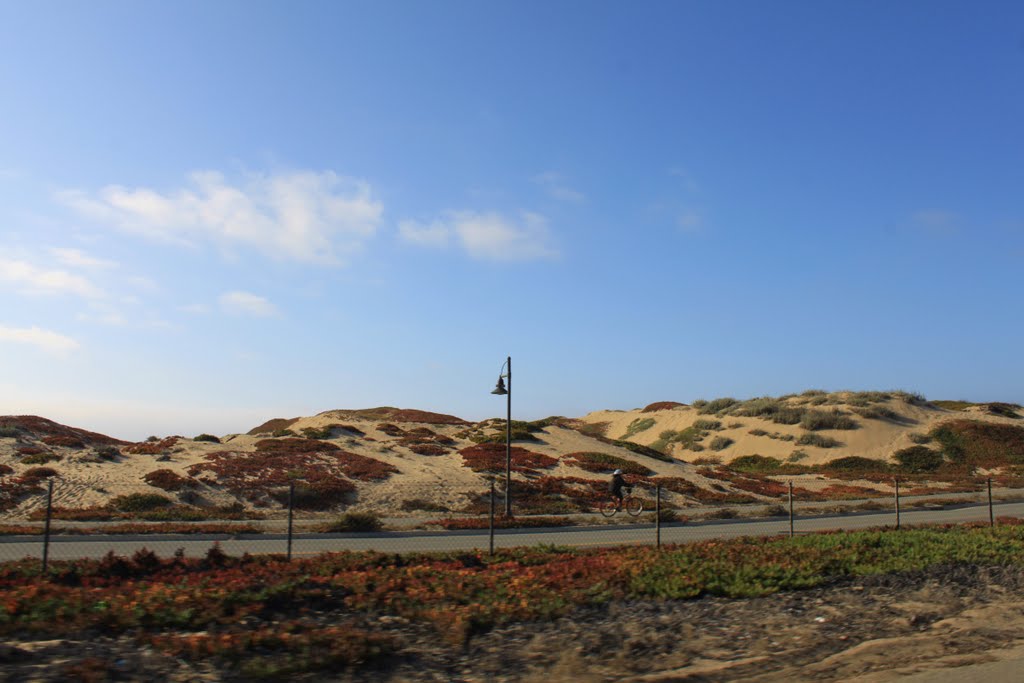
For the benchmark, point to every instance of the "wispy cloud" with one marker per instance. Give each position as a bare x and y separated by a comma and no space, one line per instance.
36,280
75,258
937,221
306,216
47,340
486,236
244,303
556,186
195,309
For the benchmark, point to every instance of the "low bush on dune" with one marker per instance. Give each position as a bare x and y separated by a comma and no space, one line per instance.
661,405
756,463
9,432
918,459
876,412
355,522
971,444
207,437
40,458
707,425
715,407
139,502
63,441
38,473
152,447
168,480
856,463
720,443
820,419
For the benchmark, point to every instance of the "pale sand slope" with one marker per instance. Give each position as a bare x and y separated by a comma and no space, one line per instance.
442,479
874,438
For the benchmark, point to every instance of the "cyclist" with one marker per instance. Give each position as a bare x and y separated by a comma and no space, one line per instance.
615,486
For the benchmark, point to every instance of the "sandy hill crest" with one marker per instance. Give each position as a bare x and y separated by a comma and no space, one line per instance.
811,428
410,462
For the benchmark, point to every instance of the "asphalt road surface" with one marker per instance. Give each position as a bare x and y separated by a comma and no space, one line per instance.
75,547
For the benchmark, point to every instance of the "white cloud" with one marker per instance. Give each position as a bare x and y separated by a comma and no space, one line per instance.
37,280
76,258
195,309
435,234
554,184
46,340
244,303
302,216
487,236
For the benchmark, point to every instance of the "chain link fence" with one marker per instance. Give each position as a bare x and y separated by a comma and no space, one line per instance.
60,521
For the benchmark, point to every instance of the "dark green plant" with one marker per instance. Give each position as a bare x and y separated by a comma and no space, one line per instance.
919,438
788,415
918,459
818,440
9,433
638,425
356,521
140,502
716,406
856,463
40,458
820,419
755,463
207,437
707,425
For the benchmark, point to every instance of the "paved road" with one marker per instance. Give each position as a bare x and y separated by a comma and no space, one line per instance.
74,547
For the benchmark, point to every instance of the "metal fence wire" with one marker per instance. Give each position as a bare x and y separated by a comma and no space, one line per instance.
54,523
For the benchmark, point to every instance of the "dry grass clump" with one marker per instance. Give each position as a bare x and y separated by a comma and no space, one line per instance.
818,440
638,425
720,443
820,419
40,458
717,406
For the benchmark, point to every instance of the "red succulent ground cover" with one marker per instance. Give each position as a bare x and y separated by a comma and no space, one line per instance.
752,483
548,495
428,449
15,489
406,415
265,475
848,492
661,405
987,444
490,457
152,447
390,429
168,480
31,450
5,470
41,427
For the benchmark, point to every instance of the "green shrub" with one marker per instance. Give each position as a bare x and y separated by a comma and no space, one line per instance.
877,412
708,461
918,459
723,513
707,425
951,443
9,433
107,452
698,404
207,437
856,463
818,440
139,502
356,521
716,406
796,456
648,451
814,392
720,443
819,419
788,415
40,458
764,406
638,425
283,432
917,437
316,434
758,432
755,463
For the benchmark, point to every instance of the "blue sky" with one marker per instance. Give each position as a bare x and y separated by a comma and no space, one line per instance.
216,213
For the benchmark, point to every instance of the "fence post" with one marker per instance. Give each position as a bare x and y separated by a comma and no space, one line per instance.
657,515
490,522
791,533
291,503
991,512
46,529
897,482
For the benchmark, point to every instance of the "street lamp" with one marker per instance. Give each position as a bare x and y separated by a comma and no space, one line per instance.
500,390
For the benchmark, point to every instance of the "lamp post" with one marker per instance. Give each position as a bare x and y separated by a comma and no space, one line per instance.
501,390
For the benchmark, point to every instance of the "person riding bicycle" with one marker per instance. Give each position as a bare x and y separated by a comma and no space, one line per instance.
617,484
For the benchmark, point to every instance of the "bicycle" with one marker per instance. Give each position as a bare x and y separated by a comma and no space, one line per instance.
630,503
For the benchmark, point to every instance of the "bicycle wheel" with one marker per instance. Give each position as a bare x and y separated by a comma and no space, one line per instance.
634,506
608,508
